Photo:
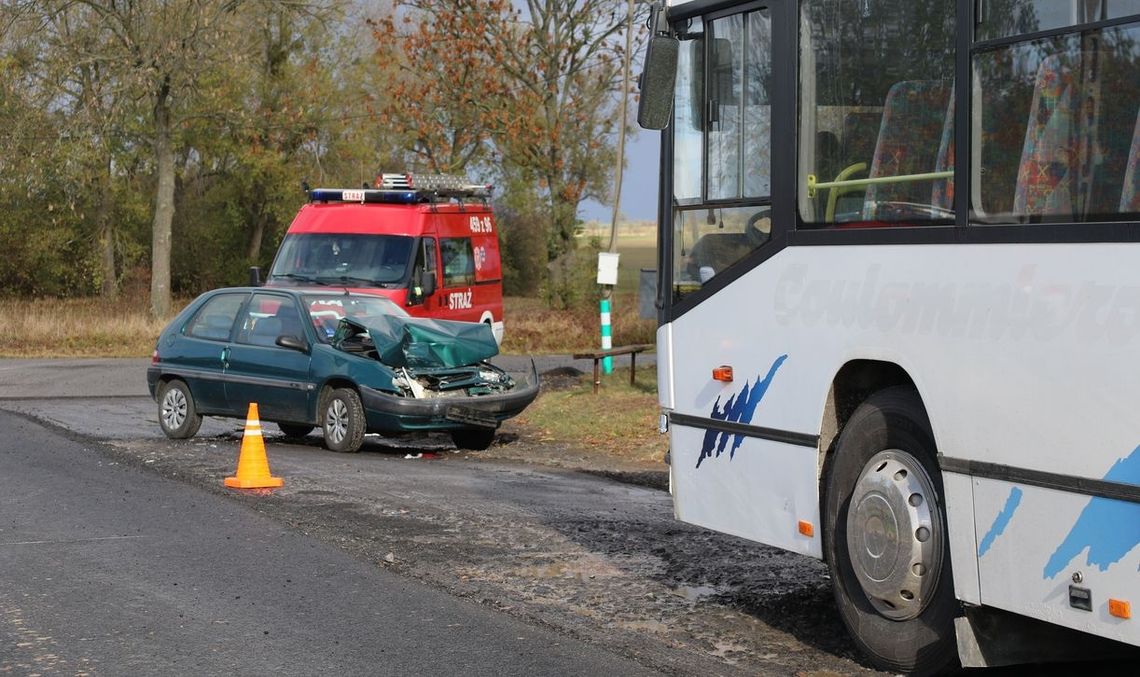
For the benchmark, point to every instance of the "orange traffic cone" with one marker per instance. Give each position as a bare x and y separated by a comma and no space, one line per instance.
253,466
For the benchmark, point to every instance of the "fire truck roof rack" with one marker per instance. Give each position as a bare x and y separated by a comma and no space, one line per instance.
407,189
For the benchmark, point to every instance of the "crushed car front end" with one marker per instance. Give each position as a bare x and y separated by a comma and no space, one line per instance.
440,377
487,397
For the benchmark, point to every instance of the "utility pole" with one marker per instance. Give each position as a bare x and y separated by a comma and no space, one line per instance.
607,289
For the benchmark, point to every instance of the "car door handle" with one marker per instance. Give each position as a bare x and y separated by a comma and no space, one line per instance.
226,356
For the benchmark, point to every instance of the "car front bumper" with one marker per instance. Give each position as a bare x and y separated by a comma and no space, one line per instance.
390,413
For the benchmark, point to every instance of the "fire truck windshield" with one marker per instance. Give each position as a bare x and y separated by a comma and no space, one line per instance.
362,260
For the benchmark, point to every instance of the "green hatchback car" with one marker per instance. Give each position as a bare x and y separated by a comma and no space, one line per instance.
348,363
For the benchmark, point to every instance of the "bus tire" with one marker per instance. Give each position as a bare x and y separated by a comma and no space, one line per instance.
885,537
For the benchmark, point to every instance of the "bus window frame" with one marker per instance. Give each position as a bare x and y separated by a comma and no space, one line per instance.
782,153
787,228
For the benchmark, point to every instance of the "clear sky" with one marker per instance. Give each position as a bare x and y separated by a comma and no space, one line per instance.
639,184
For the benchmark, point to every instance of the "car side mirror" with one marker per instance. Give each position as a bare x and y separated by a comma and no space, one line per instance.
293,343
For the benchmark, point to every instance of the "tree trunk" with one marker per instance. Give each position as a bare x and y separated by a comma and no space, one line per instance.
163,206
256,236
110,286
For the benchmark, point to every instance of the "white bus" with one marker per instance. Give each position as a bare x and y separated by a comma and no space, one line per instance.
899,304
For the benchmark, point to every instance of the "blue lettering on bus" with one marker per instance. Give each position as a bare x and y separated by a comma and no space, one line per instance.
1001,521
1110,529
740,408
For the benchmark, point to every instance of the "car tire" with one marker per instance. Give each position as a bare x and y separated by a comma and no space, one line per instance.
177,414
342,419
892,581
474,439
297,430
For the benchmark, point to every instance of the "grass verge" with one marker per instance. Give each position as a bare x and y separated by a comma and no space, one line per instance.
620,421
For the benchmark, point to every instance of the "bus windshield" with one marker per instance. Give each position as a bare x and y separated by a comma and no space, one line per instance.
363,260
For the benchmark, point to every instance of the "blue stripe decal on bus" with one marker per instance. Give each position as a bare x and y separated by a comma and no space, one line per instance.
1001,521
1110,529
740,408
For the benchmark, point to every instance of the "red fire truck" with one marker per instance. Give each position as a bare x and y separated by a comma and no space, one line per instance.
428,242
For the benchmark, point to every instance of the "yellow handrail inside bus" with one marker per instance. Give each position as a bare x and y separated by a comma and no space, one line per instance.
833,194
841,182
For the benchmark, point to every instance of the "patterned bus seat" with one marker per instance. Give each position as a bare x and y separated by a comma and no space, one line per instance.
914,117
1130,196
1046,174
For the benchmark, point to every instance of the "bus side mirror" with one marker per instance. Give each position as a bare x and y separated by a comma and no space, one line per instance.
657,82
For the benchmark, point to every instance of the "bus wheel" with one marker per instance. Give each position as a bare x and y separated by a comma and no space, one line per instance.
885,536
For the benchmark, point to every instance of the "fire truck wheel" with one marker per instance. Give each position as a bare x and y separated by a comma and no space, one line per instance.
475,439
342,418
885,536
177,415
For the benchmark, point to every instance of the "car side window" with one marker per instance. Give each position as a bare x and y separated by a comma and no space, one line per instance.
215,319
268,317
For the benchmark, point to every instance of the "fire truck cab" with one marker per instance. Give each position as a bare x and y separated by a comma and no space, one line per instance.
428,242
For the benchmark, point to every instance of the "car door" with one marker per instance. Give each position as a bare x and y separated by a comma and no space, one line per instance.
199,355
258,370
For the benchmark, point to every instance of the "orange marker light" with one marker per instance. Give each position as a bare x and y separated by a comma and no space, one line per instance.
723,373
1120,608
807,529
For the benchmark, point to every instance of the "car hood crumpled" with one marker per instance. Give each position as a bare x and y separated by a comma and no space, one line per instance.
421,343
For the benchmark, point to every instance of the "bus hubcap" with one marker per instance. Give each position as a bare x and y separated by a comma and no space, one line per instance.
894,534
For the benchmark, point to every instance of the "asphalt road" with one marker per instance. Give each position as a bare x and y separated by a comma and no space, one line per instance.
122,553
105,569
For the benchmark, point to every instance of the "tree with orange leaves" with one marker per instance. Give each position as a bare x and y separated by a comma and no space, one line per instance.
531,95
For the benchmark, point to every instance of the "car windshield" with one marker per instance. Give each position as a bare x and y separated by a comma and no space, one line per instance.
326,310
359,260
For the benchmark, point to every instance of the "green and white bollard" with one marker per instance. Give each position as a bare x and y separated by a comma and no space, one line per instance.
607,337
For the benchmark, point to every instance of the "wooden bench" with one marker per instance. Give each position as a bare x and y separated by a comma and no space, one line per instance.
598,355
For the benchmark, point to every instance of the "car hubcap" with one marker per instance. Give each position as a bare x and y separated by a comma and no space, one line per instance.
894,534
173,409
336,421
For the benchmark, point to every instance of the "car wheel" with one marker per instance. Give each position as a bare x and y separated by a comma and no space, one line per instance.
177,415
295,429
476,439
885,536
342,419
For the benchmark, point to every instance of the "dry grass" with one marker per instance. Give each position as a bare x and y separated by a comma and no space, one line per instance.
619,421
531,327
96,328
77,328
